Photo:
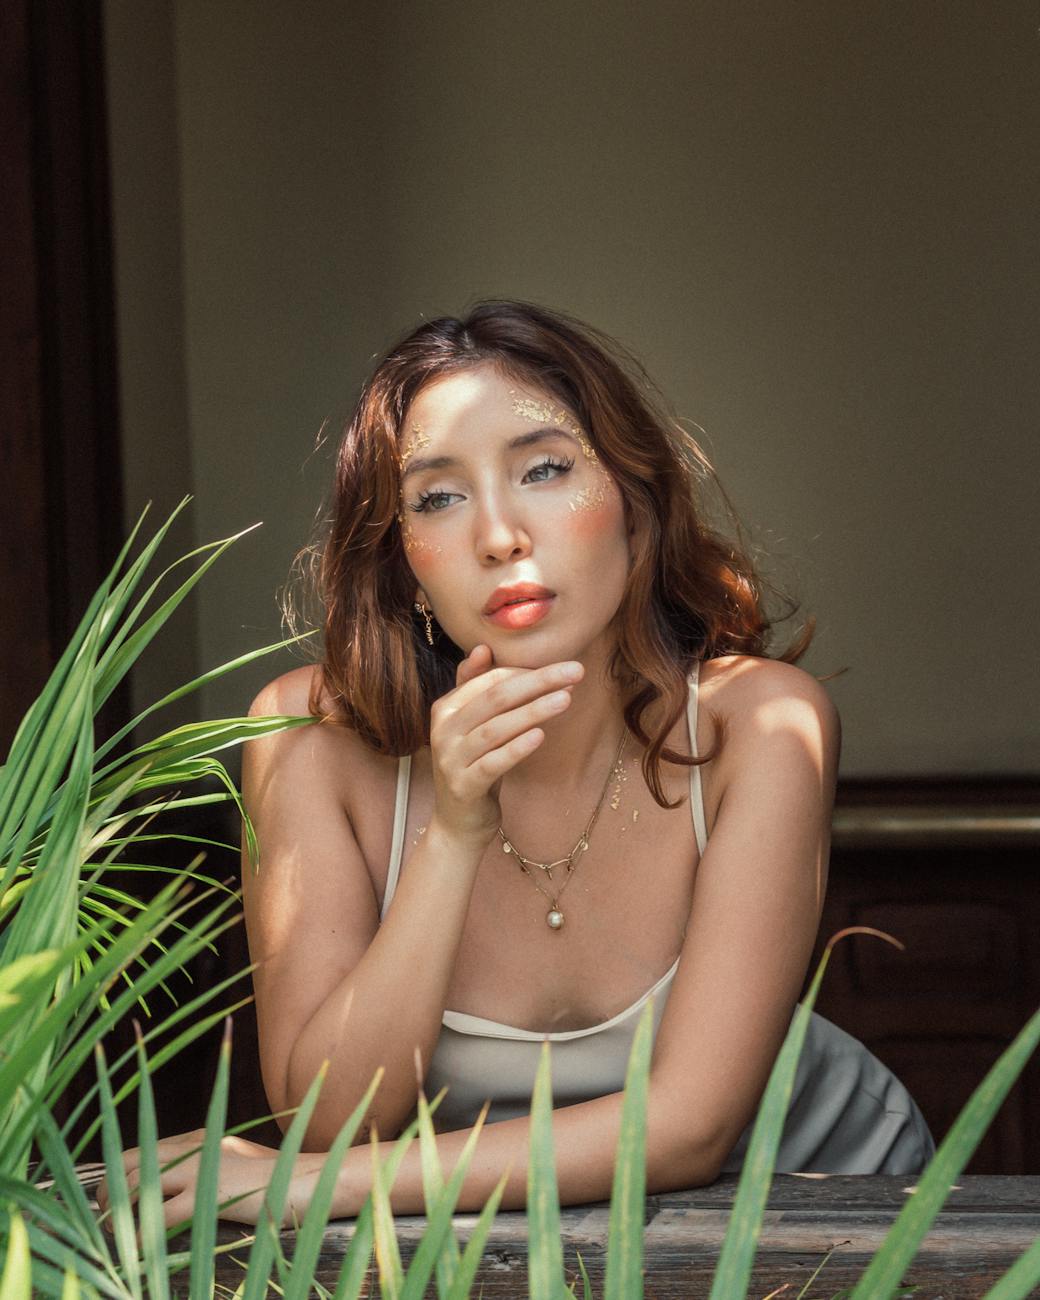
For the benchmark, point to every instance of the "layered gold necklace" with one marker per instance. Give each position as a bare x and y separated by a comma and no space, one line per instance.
554,917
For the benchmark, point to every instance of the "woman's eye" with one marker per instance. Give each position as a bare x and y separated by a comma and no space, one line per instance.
549,463
428,501
434,502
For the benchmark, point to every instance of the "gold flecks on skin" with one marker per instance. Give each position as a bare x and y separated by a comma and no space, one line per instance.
411,542
620,776
587,448
542,412
635,814
419,439
590,498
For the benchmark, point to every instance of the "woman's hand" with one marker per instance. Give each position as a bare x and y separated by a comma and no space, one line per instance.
483,728
245,1167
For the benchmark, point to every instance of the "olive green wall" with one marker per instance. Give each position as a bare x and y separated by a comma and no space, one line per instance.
815,223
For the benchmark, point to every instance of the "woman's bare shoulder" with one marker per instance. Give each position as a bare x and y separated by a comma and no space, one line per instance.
332,749
740,681
751,694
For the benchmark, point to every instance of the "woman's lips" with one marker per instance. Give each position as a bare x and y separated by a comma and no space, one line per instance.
522,613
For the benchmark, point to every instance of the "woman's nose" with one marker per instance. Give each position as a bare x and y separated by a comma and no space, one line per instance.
501,535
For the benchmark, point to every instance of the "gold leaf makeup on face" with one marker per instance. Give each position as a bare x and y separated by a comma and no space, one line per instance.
590,498
543,412
419,439
411,543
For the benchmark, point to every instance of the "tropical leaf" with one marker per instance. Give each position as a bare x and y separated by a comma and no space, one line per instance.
544,1246
624,1275
904,1238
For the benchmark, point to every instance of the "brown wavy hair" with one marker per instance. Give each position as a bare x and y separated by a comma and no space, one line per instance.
692,594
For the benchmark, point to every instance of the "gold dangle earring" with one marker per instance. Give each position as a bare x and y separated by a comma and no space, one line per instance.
420,608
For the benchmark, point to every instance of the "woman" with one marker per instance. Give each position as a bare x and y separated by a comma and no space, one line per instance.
555,774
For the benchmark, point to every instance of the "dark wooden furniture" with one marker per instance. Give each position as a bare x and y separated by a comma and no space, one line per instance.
986,1224
950,869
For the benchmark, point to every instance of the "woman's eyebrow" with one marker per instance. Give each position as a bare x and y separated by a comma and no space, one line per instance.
418,463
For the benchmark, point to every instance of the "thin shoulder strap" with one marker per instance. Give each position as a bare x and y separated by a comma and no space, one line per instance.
700,825
404,773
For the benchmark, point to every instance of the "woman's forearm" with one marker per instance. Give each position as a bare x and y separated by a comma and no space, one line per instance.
585,1140
392,1001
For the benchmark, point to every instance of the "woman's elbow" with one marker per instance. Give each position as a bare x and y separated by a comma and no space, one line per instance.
681,1153
684,1164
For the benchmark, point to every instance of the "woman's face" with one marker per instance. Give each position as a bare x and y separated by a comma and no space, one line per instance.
501,487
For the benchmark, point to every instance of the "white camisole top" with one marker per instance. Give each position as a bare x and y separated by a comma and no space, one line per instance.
848,1112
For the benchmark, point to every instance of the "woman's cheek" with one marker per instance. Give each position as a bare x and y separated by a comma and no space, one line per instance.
593,510
423,556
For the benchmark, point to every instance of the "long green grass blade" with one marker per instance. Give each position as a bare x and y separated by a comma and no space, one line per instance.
47,1243
358,1255
47,711
586,1284
261,1257
204,1219
150,1197
24,981
127,645
474,1252
37,775
70,1290
16,1280
624,1275
189,688
1021,1280
544,1245
311,1233
383,1181
438,1223
45,715
56,1159
39,1208
388,1254
116,957
433,1186
120,1208
167,1051
733,1271
904,1238
72,742
48,1279
53,1024
194,740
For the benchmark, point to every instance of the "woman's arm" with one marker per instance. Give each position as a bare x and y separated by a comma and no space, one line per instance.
754,916
333,983
755,911
584,1140
756,904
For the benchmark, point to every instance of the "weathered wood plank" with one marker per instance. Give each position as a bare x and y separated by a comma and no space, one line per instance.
986,1223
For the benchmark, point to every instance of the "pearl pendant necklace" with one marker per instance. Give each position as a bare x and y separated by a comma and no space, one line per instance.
554,917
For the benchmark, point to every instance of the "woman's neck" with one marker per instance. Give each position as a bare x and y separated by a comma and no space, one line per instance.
579,745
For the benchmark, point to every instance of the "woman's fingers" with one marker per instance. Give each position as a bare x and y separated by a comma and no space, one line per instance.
501,689
493,765
179,1208
500,730
478,661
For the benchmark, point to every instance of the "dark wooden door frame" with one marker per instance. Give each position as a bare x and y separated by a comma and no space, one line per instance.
61,522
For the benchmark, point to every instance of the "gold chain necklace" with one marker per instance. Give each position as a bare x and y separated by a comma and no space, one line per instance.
554,918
